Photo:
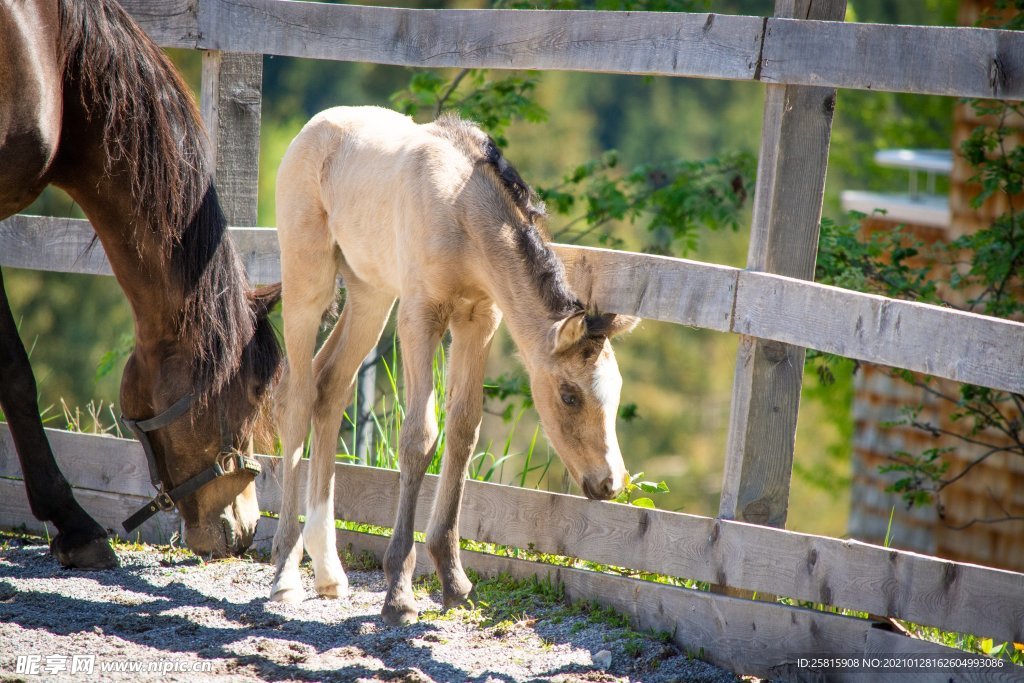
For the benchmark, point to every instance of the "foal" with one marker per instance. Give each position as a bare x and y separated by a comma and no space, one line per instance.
434,215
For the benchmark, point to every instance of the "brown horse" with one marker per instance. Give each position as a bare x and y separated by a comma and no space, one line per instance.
91,105
433,215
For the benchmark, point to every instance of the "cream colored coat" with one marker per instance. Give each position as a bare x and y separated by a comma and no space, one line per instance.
434,216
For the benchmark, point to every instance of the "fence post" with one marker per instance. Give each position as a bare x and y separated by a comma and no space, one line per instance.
230,102
366,399
783,240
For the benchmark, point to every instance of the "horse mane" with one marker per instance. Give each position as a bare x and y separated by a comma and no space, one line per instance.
152,129
545,268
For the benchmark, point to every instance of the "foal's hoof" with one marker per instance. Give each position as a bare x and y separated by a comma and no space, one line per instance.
457,600
338,589
292,596
93,554
287,587
458,593
399,616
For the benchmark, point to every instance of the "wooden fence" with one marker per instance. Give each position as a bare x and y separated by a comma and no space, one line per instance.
771,304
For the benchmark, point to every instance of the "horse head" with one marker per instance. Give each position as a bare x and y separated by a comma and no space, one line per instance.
575,387
201,445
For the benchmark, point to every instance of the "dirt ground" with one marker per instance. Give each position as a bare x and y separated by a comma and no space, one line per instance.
167,615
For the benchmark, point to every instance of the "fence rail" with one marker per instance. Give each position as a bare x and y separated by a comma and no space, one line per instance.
962,62
110,476
957,345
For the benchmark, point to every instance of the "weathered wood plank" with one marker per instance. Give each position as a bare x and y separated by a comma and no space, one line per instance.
65,245
961,346
170,23
955,61
659,288
765,404
652,287
706,45
849,574
88,461
230,100
108,509
62,245
962,62
260,253
884,645
749,637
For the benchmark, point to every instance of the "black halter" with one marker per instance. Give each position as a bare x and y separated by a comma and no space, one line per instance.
228,461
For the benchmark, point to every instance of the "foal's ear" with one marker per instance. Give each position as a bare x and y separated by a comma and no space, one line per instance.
569,331
610,324
580,326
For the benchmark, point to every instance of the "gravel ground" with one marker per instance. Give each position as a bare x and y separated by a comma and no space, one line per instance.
168,610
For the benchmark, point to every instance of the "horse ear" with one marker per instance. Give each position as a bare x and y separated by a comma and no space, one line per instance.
569,331
610,324
264,298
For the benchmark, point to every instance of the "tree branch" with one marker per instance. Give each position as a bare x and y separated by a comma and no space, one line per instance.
448,93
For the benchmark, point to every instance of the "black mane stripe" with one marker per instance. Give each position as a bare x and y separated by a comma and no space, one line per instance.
547,272
151,126
544,267
522,194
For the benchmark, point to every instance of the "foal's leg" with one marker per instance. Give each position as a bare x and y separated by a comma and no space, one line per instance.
359,327
308,274
420,333
471,340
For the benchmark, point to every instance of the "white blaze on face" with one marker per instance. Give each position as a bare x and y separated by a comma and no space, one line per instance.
607,385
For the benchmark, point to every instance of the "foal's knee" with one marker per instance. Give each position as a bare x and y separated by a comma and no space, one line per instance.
442,544
292,397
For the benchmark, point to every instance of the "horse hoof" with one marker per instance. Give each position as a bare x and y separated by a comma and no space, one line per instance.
399,616
458,593
93,554
291,596
456,601
338,589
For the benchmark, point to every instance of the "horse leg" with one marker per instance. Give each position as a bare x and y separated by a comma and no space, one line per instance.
308,277
80,541
419,332
359,327
29,136
471,340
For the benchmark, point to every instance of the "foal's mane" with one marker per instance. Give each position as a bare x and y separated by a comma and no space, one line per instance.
152,130
545,268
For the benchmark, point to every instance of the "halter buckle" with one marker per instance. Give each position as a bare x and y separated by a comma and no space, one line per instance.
163,501
238,462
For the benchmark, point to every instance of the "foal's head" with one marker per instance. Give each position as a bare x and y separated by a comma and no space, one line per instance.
576,388
574,378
